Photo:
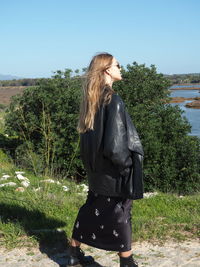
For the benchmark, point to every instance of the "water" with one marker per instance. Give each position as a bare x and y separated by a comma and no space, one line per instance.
185,93
186,86
193,115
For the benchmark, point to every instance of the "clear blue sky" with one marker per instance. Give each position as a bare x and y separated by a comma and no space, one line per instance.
42,36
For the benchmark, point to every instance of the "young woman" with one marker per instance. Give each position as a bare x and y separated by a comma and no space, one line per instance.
108,141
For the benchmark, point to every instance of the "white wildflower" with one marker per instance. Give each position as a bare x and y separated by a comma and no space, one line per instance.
18,172
25,183
65,188
84,187
5,177
36,189
8,184
150,194
51,181
22,178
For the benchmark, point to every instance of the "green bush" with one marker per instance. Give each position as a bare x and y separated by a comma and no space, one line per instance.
172,158
2,106
44,119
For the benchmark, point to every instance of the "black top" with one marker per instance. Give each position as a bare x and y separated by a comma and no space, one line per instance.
111,150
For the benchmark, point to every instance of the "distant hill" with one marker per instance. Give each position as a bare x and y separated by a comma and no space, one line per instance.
8,77
184,78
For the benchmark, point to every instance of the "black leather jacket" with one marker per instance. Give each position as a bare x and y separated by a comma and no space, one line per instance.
112,152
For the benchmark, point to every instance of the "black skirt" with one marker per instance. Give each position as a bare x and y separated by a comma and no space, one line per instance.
104,222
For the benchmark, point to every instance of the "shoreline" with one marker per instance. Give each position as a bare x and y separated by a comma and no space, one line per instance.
195,101
179,99
194,104
182,86
185,88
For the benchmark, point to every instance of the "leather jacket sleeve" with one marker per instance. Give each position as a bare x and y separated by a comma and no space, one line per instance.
115,135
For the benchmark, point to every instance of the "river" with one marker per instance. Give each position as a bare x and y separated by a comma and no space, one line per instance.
193,115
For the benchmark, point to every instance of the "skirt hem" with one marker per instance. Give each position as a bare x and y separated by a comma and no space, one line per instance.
101,247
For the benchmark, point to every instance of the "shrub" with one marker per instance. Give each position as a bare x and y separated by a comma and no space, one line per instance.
172,158
44,119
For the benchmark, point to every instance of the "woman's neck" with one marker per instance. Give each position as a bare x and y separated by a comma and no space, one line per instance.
108,80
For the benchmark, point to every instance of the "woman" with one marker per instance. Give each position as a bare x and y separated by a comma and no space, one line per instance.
108,143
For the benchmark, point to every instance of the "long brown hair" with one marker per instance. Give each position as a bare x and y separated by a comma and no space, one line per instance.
94,92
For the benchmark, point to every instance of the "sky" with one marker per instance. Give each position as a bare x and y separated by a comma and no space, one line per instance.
38,37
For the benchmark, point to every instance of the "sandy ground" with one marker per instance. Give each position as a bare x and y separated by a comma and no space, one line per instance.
170,254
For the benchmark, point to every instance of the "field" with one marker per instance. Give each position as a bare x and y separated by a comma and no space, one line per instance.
43,209
7,92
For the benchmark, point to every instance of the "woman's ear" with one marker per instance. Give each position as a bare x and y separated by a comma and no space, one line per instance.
107,71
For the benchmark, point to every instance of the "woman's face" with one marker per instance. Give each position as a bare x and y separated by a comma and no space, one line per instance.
114,70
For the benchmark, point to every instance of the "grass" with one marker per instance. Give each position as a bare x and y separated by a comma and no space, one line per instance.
167,216
24,214
47,215
31,217
2,115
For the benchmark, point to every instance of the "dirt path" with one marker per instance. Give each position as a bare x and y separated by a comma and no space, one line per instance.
171,254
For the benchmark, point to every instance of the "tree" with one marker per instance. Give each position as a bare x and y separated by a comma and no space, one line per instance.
163,131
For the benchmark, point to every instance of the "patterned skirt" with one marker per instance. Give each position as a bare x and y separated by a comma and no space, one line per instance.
104,222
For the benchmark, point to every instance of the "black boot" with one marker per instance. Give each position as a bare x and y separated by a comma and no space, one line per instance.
77,256
127,262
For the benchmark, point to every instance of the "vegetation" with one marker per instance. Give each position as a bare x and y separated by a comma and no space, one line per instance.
39,135
172,158
173,78
20,82
43,122
2,107
42,206
184,78
44,212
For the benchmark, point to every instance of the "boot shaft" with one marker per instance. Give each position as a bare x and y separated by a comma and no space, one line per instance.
128,262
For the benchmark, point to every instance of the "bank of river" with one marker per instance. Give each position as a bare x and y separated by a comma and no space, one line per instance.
185,87
193,115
